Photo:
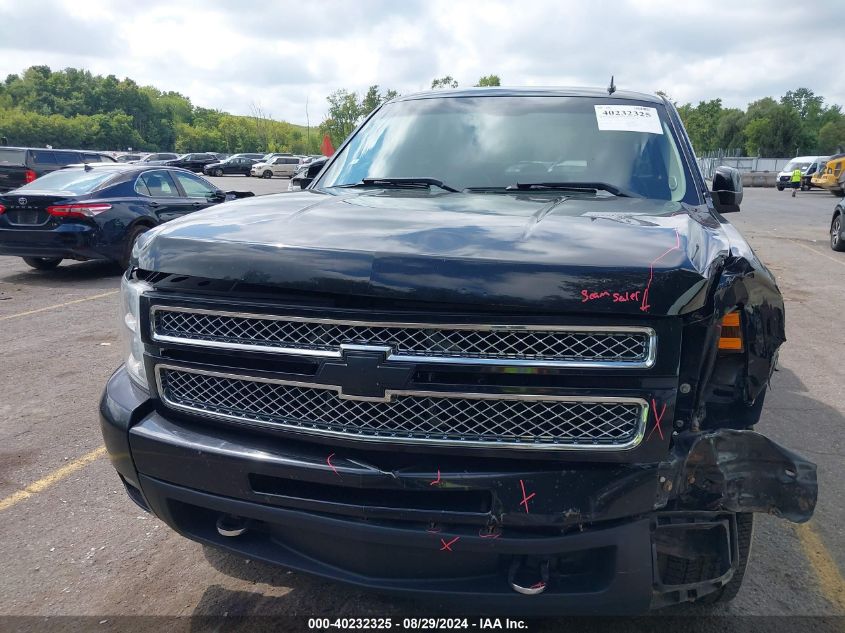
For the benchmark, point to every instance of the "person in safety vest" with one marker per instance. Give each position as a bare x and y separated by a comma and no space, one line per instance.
796,180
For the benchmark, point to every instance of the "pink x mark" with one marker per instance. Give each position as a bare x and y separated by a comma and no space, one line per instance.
658,418
525,499
447,546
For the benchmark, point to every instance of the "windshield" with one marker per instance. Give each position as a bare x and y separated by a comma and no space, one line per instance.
77,181
13,156
495,142
794,164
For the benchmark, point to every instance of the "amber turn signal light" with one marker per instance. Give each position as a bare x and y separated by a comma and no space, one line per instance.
731,338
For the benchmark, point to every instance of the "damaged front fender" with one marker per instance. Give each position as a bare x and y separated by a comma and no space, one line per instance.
739,471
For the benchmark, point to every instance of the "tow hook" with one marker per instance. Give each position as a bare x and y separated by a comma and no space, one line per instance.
230,525
529,581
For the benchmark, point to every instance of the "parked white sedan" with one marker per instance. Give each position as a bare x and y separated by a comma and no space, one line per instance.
285,166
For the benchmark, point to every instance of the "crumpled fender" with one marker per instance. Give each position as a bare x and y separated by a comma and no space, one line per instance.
741,281
746,282
739,471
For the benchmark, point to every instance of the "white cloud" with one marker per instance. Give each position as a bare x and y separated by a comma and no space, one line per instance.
279,55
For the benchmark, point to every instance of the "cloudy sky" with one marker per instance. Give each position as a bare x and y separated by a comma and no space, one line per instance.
278,55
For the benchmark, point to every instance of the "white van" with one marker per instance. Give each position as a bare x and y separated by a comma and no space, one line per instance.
808,165
284,166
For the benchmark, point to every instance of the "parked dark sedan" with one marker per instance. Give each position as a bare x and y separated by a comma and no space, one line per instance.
194,162
97,212
233,165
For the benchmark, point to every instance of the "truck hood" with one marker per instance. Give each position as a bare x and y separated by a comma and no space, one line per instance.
572,253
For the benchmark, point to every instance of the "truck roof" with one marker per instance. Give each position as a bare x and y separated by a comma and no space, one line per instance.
522,91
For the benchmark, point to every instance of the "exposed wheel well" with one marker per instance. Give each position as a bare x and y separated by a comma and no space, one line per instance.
149,223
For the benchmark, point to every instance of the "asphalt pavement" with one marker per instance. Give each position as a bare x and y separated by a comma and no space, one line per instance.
259,186
74,544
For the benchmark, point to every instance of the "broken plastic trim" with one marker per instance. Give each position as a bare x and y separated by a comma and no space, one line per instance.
741,471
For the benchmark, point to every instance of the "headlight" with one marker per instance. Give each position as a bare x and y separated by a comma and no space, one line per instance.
130,329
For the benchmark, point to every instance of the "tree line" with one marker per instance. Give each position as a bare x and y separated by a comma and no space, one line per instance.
74,108
798,123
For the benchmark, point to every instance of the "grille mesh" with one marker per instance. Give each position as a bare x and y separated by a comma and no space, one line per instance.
516,345
417,417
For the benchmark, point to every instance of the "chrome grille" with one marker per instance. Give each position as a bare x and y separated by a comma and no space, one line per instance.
533,345
488,420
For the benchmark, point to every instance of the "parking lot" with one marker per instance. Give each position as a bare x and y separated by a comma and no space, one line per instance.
74,544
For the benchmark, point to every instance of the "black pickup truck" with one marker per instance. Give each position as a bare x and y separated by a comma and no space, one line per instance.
21,165
504,352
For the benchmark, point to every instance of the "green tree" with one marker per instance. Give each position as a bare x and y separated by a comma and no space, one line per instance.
486,80
373,99
832,137
114,130
444,82
814,116
804,101
194,138
730,130
702,123
73,108
775,133
346,111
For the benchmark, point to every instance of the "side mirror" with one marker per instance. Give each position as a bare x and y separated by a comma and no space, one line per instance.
237,195
727,189
218,196
304,182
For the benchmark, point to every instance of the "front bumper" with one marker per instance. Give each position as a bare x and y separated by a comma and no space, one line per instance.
459,536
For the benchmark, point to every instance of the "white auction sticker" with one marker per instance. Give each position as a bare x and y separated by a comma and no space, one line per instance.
627,118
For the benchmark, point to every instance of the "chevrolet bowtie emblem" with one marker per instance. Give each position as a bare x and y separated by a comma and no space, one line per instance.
363,373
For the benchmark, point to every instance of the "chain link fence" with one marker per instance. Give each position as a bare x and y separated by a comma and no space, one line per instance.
756,172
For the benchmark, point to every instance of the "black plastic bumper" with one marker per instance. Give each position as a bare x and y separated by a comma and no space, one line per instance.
67,241
459,536
471,571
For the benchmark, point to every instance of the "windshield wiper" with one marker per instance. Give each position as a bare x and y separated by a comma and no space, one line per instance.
572,186
417,183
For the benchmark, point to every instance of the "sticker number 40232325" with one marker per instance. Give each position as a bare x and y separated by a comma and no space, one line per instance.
627,118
